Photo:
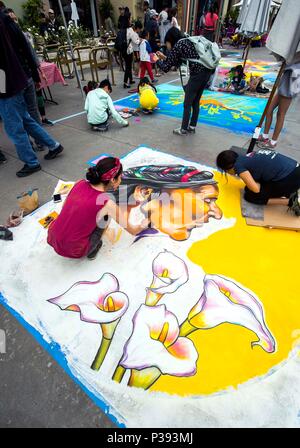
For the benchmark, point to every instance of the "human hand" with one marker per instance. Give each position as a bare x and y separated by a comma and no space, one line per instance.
160,55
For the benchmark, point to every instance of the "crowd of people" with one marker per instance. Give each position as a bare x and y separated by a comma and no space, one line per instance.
156,44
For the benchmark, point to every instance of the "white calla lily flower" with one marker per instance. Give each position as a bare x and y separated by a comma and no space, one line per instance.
98,302
169,273
155,347
224,301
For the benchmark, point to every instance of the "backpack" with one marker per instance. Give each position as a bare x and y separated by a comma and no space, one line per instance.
208,52
121,41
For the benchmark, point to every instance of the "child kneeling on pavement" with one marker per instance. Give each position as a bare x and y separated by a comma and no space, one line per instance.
99,107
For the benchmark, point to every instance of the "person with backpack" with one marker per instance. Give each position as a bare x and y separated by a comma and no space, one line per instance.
126,37
180,50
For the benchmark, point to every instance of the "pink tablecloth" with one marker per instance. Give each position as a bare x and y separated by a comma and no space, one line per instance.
52,73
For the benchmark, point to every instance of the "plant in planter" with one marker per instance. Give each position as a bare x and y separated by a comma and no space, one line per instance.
32,10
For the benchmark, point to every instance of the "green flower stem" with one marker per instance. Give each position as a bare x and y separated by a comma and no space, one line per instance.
101,353
186,328
119,373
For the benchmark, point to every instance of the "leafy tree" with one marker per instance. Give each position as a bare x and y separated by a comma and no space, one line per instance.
32,10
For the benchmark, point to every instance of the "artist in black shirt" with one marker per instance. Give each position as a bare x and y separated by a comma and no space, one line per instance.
180,50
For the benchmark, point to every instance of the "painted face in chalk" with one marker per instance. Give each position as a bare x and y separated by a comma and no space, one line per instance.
182,210
175,199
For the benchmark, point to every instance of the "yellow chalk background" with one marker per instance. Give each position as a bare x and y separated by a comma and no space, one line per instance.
267,262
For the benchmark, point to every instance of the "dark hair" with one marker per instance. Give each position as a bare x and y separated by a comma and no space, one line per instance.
146,81
105,83
160,177
127,16
91,85
144,33
95,173
146,3
173,36
226,160
2,5
172,12
138,24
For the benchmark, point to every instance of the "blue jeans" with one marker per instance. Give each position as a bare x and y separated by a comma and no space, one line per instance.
18,124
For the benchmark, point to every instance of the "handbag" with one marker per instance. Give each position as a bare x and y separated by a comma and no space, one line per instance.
28,201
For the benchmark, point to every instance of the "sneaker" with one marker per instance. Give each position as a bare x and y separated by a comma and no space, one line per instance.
100,128
266,145
132,82
155,80
191,130
126,86
261,139
48,122
92,255
52,154
3,159
180,131
28,170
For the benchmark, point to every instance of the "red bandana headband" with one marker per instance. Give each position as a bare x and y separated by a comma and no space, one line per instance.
111,174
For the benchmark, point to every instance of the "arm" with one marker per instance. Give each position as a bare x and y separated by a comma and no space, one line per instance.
114,113
23,47
121,217
86,104
250,182
172,60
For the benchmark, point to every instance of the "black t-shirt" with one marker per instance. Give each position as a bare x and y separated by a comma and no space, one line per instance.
265,165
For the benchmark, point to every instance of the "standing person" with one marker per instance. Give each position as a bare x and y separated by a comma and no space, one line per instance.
137,28
122,18
164,24
32,94
289,88
145,56
53,22
127,53
173,18
211,22
270,177
109,24
13,110
181,49
152,28
146,13
77,231
43,24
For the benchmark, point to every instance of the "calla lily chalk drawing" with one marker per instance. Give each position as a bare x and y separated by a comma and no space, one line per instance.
169,273
155,348
223,301
98,302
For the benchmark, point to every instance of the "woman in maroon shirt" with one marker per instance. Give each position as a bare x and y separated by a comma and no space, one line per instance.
77,231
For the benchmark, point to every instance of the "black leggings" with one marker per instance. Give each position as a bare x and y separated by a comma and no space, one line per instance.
128,59
193,92
271,190
96,236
